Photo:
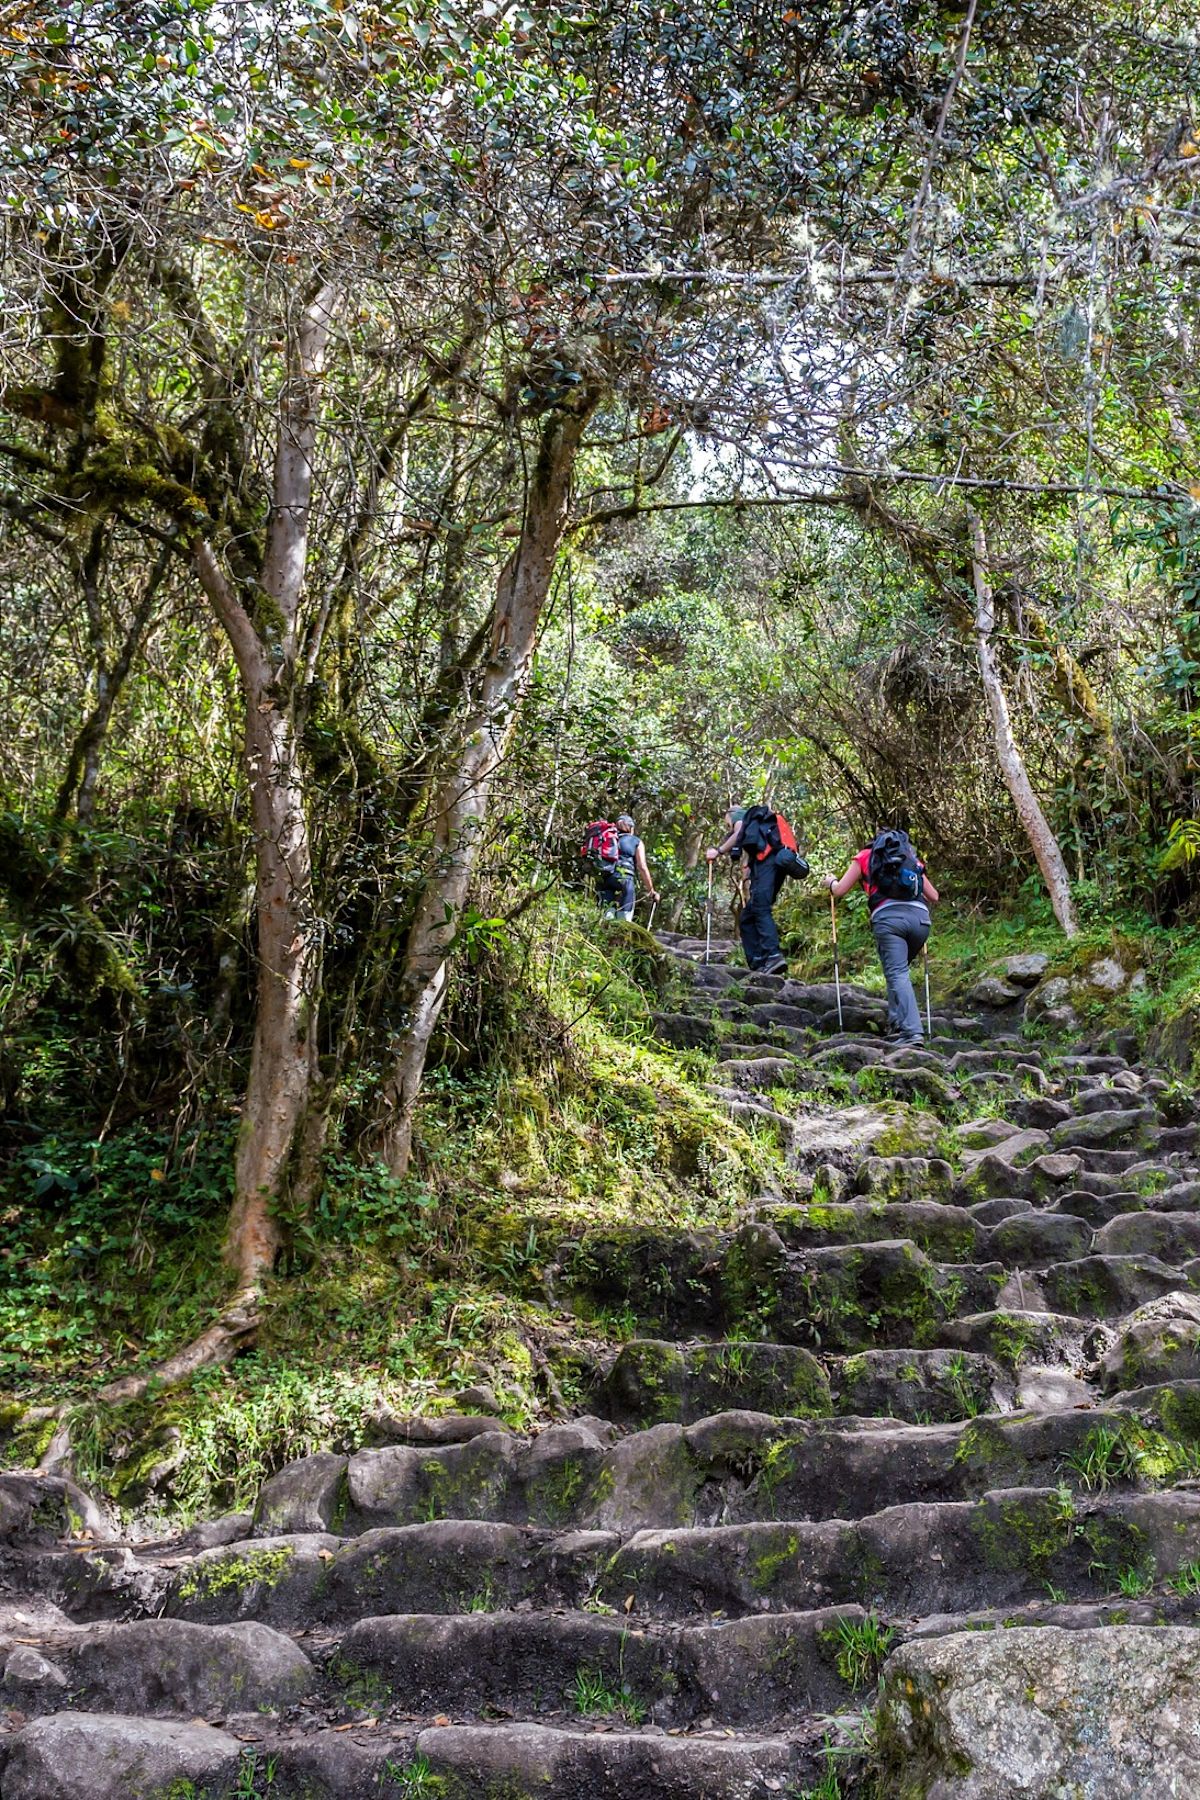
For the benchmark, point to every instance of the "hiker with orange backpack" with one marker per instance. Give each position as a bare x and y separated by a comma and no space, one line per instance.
768,844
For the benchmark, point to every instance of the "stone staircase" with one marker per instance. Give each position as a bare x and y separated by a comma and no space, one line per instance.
946,1380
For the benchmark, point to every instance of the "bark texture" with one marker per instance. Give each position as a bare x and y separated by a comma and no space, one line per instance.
1042,840
458,790
263,631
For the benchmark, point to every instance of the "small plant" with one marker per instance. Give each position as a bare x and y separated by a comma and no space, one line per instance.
1105,1455
1186,1581
1134,1581
254,1780
859,1649
1055,1594
1012,1339
362,1690
592,1697
958,1380
416,1780
829,1787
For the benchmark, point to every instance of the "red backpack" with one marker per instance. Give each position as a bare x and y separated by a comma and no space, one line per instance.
601,842
764,832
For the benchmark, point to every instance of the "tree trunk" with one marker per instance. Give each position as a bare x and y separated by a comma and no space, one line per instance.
1042,840
83,765
283,1057
459,789
263,634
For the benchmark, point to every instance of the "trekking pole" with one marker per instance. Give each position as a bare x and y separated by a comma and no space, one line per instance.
928,1012
650,920
708,917
837,973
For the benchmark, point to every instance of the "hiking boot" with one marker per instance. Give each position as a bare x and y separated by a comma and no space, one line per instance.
773,965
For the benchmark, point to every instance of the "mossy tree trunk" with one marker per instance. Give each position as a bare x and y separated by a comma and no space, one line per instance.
263,628
458,787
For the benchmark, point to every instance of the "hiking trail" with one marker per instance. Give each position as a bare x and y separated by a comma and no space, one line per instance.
943,1386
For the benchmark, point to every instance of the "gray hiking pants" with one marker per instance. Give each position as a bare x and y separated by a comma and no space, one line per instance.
901,928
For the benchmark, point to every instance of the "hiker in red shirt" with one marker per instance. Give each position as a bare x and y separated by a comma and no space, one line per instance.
899,895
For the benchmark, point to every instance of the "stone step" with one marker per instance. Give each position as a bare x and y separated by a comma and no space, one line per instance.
1018,1335
1173,1237
1010,1547
1106,1287
448,1566
87,1756
485,1762
653,1381
160,1666
1099,1209
907,1560
731,1466
990,1174
1162,1606
841,1298
1030,1239
770,1670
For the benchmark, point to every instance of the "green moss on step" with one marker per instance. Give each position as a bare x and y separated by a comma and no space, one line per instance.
359,1689
766,1568
236,1573
986,1449
1028,1533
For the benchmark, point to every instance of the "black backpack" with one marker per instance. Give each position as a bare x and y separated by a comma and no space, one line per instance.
765,833
893,870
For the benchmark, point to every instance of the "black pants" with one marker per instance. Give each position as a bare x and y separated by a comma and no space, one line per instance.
760,938
615,888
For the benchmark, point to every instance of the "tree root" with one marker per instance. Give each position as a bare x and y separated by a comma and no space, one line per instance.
233,1332
543,1369
219,1344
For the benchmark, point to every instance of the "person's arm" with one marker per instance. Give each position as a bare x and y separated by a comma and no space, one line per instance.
731,843
929,892
643,869
851,879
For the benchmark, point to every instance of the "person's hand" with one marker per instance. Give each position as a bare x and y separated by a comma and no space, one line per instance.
655,895
711,855
830,882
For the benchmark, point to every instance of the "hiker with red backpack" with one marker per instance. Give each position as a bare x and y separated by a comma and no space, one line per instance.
616,854
768,844
899,895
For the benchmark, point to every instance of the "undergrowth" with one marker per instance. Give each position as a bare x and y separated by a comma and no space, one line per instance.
398,1293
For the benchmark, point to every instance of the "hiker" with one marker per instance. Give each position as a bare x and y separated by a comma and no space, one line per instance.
618,854
767,842
899,895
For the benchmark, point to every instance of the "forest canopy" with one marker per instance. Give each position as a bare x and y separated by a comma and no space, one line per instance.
425,428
